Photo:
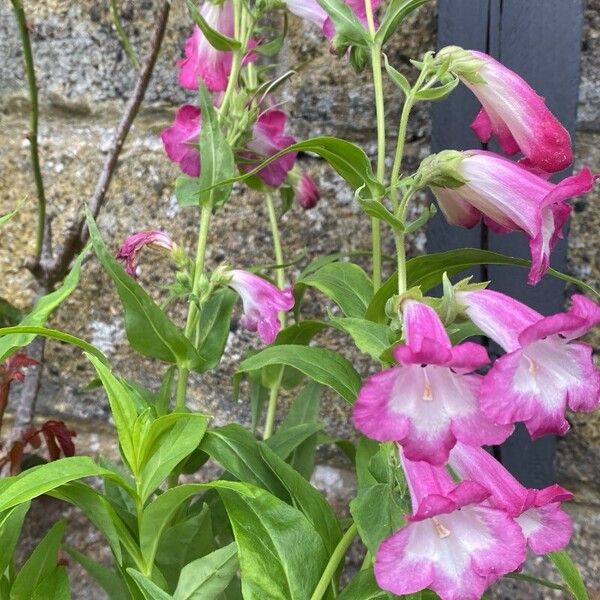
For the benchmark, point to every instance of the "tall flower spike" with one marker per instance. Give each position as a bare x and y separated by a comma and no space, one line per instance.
180,140
262,303
129,251
544,524
512,199
268,138
544,371
429,401
512,111
453,544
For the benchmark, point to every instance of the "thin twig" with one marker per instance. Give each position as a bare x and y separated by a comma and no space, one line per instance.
33,124
116,17
54,270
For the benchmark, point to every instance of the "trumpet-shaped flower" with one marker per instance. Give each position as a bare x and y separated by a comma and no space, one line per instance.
544,371
180,140
453,543
512,198
513,112
305,190
129,251
545,525
262,303
268,138
429,401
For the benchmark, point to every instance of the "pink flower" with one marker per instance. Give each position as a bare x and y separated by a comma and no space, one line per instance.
430,401
180,140
262,303
201,59
544,524
128,253
305,190
544,371
268,138
452,544
512,199
311,10
517,116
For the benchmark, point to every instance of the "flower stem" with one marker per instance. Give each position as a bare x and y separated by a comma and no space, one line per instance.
205,216
33,123
236,63
380,116
334,561
280,279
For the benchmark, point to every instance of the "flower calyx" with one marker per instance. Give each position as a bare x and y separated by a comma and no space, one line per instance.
441,170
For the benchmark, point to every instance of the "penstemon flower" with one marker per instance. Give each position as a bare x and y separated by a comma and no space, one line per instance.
544,524
268,138
129,251
429,401
262,303
511,198
544,371
512,111
180,140
454,543
305,190
203,61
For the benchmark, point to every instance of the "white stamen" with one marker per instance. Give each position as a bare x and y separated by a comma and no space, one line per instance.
443,532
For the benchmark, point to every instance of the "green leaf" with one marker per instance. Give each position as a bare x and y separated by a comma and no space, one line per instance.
363,587
169,441
8,216
150,590
397,77
376,209
42,561
396,12
237,451
284,442
11,523
55,586
44,478
123,410
274,541
321,365
346,284
42,310
370,338
9,315
537,580
570,574
186,190
349,31
215,38
306,498
108,579
207,577
218,163
213,327
304,409
438,93
378,513
149,331
346,158
273,47
376,310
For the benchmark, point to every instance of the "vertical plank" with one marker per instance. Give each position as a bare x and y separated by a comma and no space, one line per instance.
540,40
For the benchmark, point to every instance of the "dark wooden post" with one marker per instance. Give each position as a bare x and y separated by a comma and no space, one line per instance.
540,40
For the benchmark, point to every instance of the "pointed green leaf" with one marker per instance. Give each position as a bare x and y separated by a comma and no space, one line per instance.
370,338
55,586
396,12
397,77
11,523
215,38
364,587
438,93
349,31
570,574
148,588
285,441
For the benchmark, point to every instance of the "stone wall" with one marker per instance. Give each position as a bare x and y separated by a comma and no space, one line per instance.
85,77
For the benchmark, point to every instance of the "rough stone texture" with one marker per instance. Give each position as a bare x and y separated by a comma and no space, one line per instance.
84,78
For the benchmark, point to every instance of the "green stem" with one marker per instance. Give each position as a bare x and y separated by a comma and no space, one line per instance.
122,35
33,123
280,278
334,562
205,215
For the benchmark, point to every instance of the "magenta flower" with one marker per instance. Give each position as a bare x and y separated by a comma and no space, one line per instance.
262,303
268,138
201,59
180,140
453,544
429,401
546,527
512,199
129,251
517,116
305,190
544,371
